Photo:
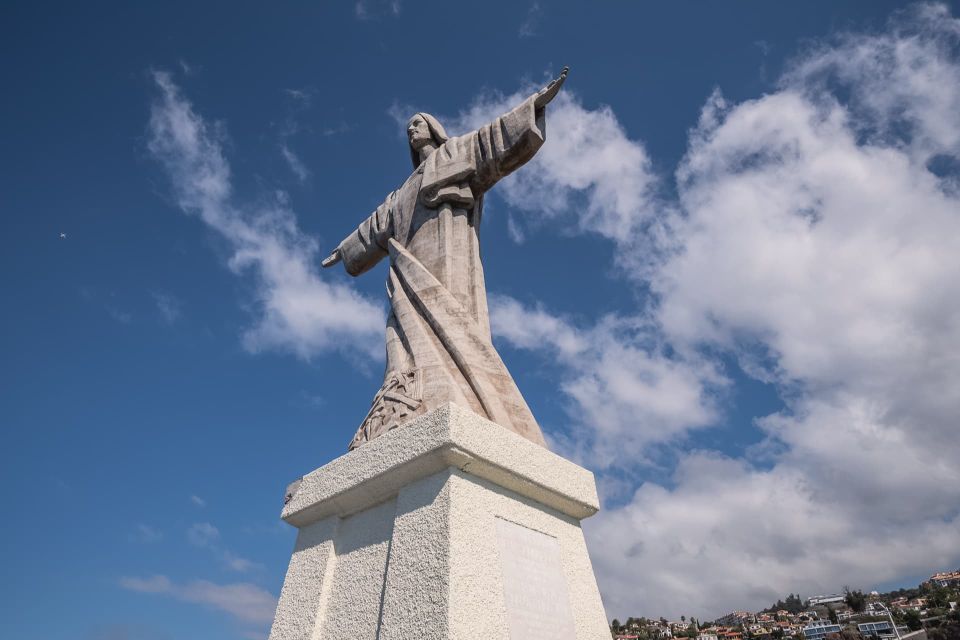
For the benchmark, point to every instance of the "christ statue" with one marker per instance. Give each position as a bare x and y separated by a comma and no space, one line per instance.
439,347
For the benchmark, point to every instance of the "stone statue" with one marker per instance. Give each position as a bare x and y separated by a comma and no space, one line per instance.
439,347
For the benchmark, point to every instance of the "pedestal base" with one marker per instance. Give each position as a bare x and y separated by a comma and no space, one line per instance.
448,527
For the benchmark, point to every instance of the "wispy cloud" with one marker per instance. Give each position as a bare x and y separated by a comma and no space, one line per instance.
298,311
206,535
531,23
515,231
121,316
169,306
375,9
188,69
203,534
198,501
296,165
146,534
303,96
336,129
237,563
242,600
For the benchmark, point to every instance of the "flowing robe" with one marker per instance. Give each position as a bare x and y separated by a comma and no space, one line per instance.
439,347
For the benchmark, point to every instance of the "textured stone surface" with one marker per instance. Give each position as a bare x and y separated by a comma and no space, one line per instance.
300,599
478,602
398,543
439,348
447,436
361,544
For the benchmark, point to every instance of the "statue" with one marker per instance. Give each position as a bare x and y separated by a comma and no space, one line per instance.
439,347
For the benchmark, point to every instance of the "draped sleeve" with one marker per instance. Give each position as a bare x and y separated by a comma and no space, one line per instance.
366,246
465,167
507,143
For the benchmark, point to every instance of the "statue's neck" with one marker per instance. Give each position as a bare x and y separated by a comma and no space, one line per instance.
426,150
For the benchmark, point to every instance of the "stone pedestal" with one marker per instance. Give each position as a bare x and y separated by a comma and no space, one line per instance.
447,527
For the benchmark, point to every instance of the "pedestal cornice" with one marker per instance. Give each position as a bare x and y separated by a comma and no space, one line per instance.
449,436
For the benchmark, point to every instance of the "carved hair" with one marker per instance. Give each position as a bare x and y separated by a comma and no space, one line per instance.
436,132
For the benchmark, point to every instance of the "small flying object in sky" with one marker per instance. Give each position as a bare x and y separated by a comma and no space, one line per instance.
63,236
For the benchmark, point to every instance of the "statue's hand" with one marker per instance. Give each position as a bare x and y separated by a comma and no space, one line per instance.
549,92
333,258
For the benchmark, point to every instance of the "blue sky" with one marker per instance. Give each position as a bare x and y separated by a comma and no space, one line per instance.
728,285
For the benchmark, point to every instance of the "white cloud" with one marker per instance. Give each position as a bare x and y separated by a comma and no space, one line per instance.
374,9
531,23
146,534
296,165
298,311
153,584
237,563
730,537
203,534
589,176
123,317
169,306
624,391
198,501
817,248
515,231
244,601
813,243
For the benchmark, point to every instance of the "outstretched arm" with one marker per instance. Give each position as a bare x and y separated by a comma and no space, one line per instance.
549,92
511,140
332,259
366,246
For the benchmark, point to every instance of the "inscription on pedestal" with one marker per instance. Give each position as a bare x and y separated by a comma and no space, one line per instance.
534,588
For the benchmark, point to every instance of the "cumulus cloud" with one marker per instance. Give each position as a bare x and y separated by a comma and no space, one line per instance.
590,176
815,241
729,536
244,601
624,391
297,310
818,248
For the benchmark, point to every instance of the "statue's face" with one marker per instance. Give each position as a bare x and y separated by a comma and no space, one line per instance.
418,133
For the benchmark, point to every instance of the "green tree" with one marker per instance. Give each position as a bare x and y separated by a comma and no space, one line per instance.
832,615
939,597
855,599
949,630
912,620
614,628
798,604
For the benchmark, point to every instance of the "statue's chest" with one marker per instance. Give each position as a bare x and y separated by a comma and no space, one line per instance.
438,224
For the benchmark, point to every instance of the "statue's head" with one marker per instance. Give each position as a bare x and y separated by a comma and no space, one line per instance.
422,130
